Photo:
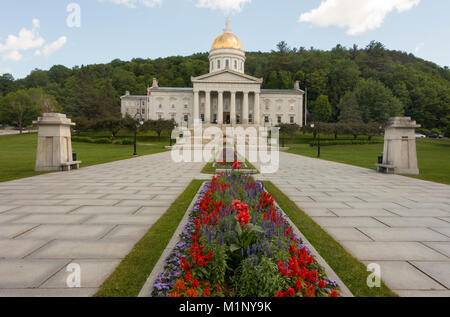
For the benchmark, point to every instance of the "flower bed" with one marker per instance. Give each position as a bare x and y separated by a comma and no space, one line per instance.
237,244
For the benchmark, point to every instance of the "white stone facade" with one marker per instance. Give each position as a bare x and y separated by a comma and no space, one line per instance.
224,96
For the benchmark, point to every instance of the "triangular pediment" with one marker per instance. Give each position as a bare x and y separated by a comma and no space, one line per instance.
227,76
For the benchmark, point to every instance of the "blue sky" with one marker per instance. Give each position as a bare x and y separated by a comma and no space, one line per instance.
129,29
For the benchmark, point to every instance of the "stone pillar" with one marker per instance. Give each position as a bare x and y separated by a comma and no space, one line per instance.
54,149
208,107
220,108
256,112
196,114
400,155
233,107
245,110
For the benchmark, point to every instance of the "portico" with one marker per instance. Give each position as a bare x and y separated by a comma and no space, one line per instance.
227,97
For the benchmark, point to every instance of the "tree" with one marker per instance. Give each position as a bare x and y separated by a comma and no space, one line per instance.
20,109
160,126
7,84
289,129
376,101
322,109
349,109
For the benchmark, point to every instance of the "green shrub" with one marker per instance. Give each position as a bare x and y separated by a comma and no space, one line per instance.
345,142
127,142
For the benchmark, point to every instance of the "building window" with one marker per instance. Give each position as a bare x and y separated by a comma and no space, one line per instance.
279,119
250,118
160,106
238,119
218,64
215,118
173,116
212,66
235,65
186,118
202,116
292,120
227,63
266,119
160,116
185,106
173,106
143,110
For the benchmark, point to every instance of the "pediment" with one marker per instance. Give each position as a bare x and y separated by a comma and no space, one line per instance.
226,76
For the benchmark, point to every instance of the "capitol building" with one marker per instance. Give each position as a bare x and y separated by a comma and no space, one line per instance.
224,96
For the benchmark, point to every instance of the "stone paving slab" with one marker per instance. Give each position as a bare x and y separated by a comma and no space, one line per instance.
27,273
92,216
399,222
403,276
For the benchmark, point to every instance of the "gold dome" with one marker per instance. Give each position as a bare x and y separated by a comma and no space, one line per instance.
227,40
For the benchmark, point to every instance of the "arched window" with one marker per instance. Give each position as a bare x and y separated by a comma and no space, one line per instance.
227,63
235,65
218,64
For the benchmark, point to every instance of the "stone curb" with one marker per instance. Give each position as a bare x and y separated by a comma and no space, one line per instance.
159,267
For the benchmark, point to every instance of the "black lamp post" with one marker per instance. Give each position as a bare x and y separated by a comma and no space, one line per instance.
138,123
318,140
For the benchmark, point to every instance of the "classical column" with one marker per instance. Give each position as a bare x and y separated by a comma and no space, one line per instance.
196,114
220,108
256,110
208,107
245,109
233,107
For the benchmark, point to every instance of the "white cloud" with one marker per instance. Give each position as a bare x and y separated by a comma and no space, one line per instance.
28,39
133,3
53,47
228,6
357,16
25,40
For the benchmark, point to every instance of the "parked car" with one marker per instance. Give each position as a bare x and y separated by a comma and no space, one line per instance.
420,136
433,136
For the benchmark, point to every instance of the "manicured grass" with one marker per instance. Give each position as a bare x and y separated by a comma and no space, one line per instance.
18,154
132,273
352,272
433,156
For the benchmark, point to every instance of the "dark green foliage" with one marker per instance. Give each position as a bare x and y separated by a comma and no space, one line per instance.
385,82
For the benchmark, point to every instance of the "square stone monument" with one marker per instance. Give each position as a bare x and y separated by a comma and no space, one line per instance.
400,154
54,150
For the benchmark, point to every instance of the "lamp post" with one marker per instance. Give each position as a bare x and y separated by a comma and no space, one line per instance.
318,141
139,122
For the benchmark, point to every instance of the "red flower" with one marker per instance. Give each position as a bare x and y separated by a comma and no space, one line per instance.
236,165
195,284
290,292
322,284
188,277
333,293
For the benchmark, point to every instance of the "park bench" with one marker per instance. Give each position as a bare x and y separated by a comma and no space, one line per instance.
67,166
386,168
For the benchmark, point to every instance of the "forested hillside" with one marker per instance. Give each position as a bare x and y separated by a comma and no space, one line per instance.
344,84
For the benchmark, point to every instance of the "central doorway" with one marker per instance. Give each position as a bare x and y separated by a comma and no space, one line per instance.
227,117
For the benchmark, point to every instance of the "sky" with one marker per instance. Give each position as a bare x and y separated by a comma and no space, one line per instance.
40,34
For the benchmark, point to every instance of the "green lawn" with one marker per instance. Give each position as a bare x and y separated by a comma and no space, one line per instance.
18,154
433,156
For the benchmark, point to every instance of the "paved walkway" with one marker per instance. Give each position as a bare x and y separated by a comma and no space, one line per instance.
93,216
401,223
